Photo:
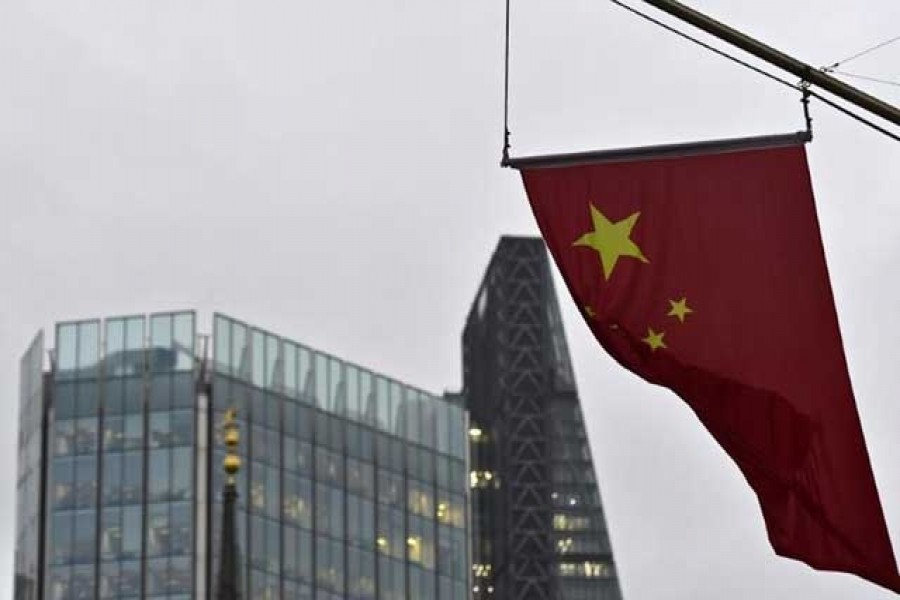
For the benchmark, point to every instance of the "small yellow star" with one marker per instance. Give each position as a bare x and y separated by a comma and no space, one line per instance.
590,312
679,309
611,240
654,340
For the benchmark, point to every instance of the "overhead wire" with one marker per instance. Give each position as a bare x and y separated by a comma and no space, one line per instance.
833,68
867,78
800,87
505,155
878,46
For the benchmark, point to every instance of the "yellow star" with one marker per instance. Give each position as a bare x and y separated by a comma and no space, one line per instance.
611,240
590,312
654,340
679,309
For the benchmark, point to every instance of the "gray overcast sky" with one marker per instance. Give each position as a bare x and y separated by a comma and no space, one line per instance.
328,170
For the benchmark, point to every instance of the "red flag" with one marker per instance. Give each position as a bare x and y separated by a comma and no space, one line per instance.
701,269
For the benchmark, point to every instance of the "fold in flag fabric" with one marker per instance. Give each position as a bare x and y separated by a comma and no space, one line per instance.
702,270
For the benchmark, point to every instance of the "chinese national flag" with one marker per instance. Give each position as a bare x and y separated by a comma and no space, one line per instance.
701,269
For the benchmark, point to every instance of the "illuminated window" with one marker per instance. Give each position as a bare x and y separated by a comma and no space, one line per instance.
482,479
585,569
477,435
562,522
451,511
414,547
596,569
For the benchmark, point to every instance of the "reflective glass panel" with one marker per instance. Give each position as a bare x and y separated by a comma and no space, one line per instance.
184,341
66,348
88,348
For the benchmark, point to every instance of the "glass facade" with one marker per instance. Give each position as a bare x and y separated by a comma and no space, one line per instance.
28,478
353,485
121,477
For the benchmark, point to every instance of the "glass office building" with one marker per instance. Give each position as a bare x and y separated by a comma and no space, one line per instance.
353,485
539,530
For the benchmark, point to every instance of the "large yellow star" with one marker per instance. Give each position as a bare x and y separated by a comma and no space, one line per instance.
655,340
611,240
679,309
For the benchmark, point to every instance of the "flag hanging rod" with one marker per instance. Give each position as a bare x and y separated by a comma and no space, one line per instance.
655,152
779,59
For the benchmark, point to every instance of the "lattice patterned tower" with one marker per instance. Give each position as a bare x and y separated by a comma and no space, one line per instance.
538,524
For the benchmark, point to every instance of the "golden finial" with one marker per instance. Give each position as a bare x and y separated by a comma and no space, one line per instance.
232,434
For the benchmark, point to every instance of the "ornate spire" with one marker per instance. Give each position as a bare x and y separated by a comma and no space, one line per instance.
228,584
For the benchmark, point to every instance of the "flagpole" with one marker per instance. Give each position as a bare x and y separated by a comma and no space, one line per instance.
548,161
779,59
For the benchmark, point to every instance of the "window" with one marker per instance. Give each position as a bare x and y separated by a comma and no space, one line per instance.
330,564
132,481
134,431
367,397
85,481
222,349
83,537
420,542
88,348
361,521
411,415
61,536
451,510
330,511
563,522
86,436
321,379
112,478
383,404
360,478
390,487
391,539
297,456
305,376
297,553
585,569
354,406
329,467
482,479
291,386
158,476
297,500
158,530
110,535
421,501
64,438
361,574
113,434
66,347
336,387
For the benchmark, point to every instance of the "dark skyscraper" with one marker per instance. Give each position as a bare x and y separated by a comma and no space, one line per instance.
539,532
